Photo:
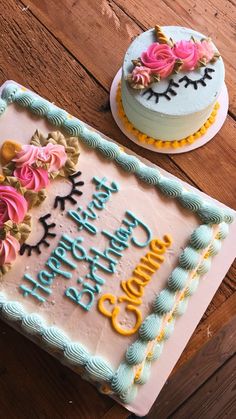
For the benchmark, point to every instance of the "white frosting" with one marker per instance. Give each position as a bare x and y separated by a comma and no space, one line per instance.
186,112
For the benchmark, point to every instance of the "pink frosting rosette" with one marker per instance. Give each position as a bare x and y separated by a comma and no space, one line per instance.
9,247
187,51
13,206
54,155
205,50
28,155
159,58
141,75
33,178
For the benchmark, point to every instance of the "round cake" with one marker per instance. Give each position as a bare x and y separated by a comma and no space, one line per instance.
171,79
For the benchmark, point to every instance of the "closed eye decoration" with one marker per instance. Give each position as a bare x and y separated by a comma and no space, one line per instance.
202,80
167,93
61,200
29,248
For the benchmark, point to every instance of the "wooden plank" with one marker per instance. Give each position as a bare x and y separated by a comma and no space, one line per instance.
215,19
96,33
35,385
193,374
215,399
116,412
208,328
39,61
207,164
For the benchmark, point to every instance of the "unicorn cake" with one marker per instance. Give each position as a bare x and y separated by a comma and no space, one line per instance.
100,253
171,80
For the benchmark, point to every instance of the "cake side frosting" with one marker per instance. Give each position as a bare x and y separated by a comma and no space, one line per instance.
178,105
137,201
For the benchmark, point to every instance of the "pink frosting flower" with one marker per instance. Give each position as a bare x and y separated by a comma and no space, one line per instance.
141,75
28,155
187,51
9,247
13,206
205,50
54,154
159,58
33,178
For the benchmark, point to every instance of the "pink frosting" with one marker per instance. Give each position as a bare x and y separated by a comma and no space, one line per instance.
159,58
54,154
28,155
205,50
9,247
32,178
187,51
13,206
141,75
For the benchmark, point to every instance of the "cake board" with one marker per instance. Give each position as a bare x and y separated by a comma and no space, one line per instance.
209,135
199,302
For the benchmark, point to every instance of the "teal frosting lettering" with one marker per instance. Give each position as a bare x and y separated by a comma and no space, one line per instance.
61,253
92,274
36,287
54,265
82,220
101,184
77,296
46,278
74,247
115,241
135,222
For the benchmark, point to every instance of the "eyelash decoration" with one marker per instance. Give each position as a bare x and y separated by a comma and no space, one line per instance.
74,191
201,81
166,93
36,248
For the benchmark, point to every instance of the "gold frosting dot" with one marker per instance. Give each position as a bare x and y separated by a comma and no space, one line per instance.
190,139
138,373
9,150
175,144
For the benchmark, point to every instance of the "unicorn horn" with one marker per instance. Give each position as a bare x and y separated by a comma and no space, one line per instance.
161,37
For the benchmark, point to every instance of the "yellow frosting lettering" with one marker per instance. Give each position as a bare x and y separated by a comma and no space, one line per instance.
141,270
151,259
134,287
114,313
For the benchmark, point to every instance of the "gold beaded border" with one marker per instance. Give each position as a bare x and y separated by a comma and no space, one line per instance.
144,138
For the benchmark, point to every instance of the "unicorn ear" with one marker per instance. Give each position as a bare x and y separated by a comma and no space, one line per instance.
8,151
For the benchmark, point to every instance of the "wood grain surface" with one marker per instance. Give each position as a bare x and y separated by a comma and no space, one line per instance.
69,51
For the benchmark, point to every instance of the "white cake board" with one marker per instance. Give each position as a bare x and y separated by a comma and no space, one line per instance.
210,133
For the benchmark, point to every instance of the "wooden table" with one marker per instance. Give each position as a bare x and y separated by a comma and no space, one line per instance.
69,51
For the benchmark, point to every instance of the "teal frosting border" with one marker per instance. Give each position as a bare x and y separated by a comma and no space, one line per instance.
96,368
